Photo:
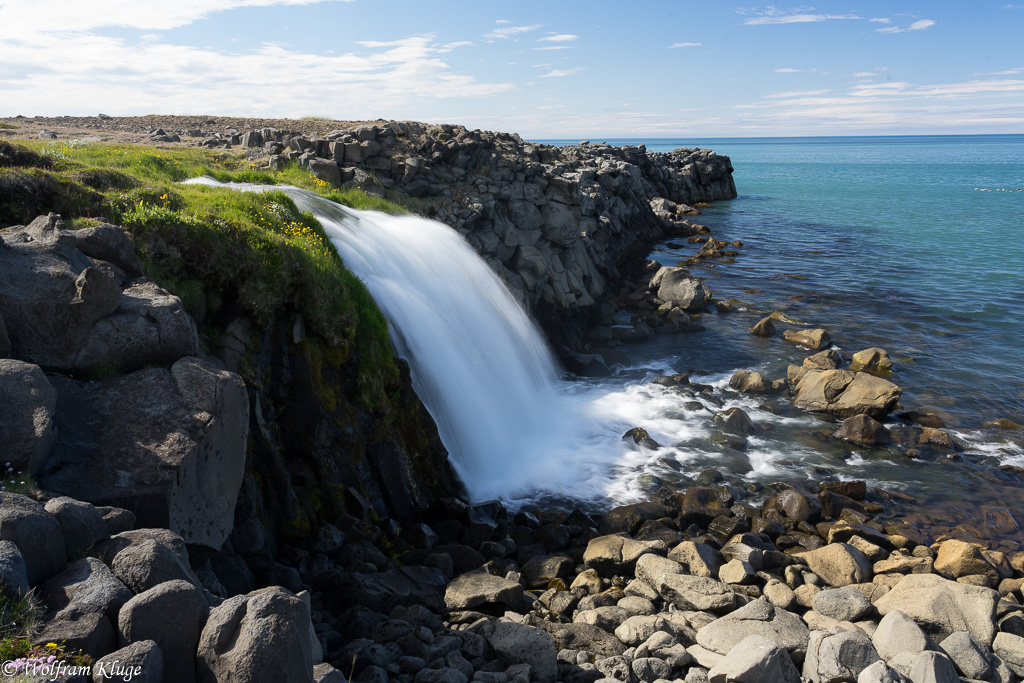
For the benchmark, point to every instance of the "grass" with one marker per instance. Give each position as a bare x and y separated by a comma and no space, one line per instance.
226,252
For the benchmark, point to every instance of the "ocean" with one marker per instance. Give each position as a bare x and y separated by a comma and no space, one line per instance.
910,243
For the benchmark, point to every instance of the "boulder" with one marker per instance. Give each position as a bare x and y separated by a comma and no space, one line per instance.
141,662
169,445
88,631
539,571
82,524
839,564
957,558
13,578
677,289
66,310
845,394
933,667
146,617
27,429
86,585
942,607
36,533
517,643
764,328
607,617
898,633
799,505
751,382
755,659
699,558
864,431
696,593
842,604
734,421
971,658
838,655
148,563
1010,648
880,672
617,553
871,360
577,636
757,617
651,568
326,171
257,637
480,588
815,339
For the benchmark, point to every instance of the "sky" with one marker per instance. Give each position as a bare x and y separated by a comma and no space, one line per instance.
554,69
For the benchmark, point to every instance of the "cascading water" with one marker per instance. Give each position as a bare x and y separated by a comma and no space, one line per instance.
478,362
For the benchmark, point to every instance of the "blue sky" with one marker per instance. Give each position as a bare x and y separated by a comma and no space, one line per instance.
543,69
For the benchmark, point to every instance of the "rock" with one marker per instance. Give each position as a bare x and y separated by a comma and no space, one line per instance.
958,558
141,662
880,672
845,394
326,171
736,571
941,438
147,563
617,553
36,533
933,667
757,617
898,633
66,311
27,431
779,594
696,593
799,504
168,445
117,520
816,339
539,571
839,564
863,430
764,328
842,604
677,289
755,659
607,617
88,631
640,437
699,558
145,617
904,564
734,420
13,579
81,523
480,588
751,382
86,585
650,669
971,658
942,607
256,637
838,655
1010,649
871,360
651,568
521,644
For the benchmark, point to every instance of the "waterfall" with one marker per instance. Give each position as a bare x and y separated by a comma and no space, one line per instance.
477,360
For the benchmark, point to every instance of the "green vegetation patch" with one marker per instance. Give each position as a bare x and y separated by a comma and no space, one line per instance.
223,252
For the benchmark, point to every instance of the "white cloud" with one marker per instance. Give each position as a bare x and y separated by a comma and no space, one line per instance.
795,18
788,71
560,73
69,73
881,20
554,47
796,93
919,25
502,21
448,47
677,45
509,31
1007,72
559,38
17,16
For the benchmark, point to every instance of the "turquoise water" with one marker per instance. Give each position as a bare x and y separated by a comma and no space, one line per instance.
913,244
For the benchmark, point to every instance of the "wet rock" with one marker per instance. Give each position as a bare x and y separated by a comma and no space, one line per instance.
734,420
640,437
751,382
629,518
845,394
678,290
940,438
871,360
799,504
540,571
942,607
764,328
815,339
863,430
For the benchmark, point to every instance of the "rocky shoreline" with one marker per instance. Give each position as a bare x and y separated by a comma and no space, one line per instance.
723,581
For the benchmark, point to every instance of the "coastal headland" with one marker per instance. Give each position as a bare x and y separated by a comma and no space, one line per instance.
202,434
